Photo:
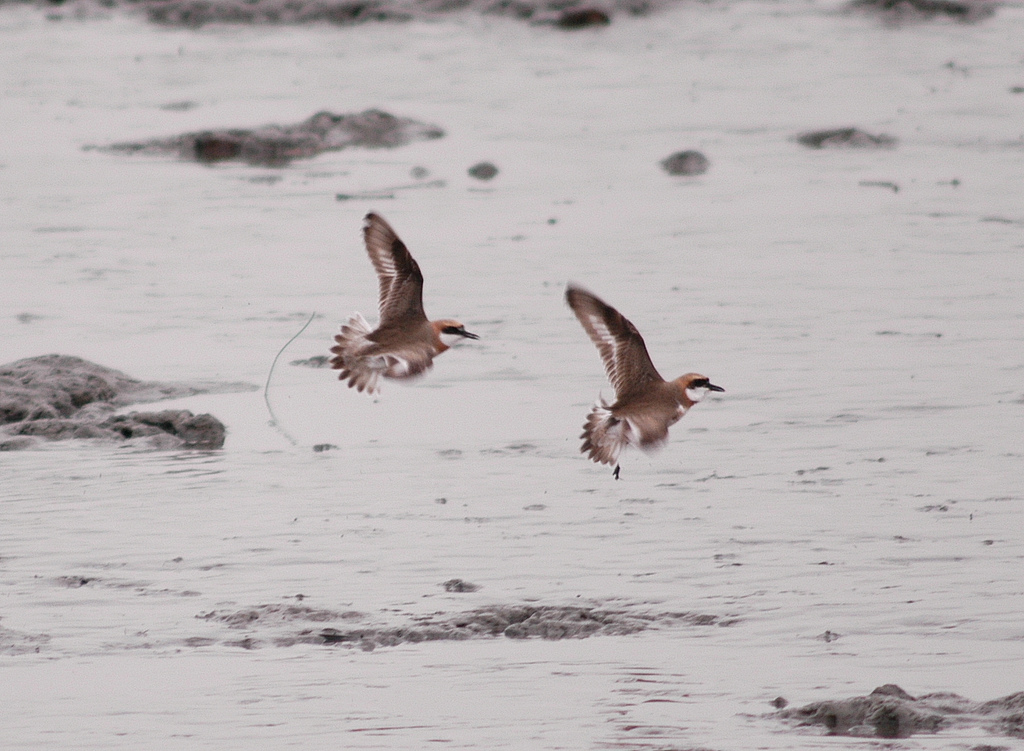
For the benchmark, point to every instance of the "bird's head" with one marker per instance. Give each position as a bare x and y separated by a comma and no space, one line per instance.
449,331
694,387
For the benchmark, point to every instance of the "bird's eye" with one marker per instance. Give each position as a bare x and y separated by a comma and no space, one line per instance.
700,383
451,330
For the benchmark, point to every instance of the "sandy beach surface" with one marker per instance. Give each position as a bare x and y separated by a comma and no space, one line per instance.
849,513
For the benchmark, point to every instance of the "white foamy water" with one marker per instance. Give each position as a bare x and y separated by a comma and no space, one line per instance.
861,476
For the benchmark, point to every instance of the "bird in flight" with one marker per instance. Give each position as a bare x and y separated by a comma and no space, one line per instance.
646,405
405,343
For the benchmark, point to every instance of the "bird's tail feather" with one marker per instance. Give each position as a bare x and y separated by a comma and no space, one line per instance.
604,435
356,369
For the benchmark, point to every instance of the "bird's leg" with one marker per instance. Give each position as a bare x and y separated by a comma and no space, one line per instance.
615,474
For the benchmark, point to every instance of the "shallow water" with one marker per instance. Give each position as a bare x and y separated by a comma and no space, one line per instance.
860,477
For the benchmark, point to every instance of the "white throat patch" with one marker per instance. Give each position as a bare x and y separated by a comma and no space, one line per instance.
451,339
695,395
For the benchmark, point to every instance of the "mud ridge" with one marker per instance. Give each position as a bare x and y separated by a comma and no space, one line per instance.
277,145
511,621
845,138
899,12
17,643
568,15
58,397
891,712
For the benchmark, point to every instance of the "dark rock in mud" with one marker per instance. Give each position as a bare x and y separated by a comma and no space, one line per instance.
459,585
510,621
685,163
60,397
582,18
908,11
483,171
891,712
839,138
276,145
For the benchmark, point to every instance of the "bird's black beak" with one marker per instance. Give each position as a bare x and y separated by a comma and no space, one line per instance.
713,387
460,330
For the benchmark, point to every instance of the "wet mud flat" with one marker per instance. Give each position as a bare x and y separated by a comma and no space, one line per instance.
846,517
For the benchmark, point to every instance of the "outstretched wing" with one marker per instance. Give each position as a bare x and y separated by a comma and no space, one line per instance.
401,283
622,349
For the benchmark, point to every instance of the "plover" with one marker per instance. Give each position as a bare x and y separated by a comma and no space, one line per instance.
405,343
645,403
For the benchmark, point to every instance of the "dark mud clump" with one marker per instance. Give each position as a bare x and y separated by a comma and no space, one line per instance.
510,621
277,145
890,712
582,18
483,171
460,585
58,397
685,163
899,12
845,138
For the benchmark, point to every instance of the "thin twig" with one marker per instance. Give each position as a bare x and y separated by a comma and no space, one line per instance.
266,387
